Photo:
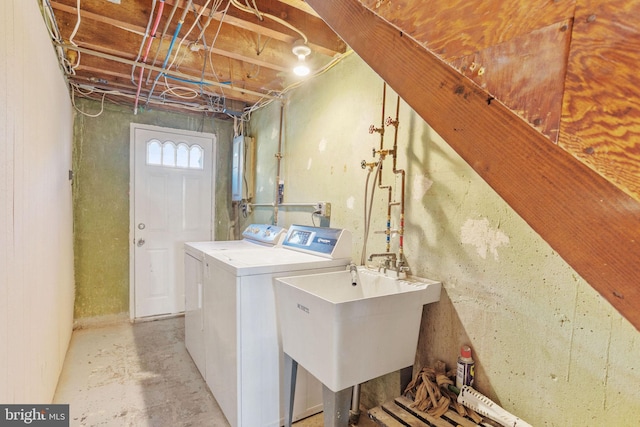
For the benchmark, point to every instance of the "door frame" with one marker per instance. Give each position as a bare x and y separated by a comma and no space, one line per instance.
132,246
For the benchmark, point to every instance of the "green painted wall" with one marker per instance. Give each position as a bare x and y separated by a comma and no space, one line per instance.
101,199
547,347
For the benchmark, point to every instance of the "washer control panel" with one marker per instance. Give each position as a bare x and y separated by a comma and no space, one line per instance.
328,242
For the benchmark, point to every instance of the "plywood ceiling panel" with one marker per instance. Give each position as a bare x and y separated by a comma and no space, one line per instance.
601,112
590,222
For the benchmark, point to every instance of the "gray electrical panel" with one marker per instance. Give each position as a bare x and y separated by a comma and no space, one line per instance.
242,168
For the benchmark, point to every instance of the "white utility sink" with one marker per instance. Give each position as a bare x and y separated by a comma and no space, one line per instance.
344,334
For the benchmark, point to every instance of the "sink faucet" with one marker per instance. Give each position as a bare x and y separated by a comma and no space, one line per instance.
389,262
402,266
354,274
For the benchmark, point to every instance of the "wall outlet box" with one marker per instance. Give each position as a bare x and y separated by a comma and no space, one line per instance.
323,208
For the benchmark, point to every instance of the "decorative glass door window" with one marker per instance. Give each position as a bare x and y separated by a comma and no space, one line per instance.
176,156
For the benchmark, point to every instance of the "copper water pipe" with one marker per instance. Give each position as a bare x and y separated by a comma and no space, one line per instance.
384,98
380,130
383,153
278,156
402,185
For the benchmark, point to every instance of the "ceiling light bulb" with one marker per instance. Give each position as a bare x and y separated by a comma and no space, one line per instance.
301,50
301,69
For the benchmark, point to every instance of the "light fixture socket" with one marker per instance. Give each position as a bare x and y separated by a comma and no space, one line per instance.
300,49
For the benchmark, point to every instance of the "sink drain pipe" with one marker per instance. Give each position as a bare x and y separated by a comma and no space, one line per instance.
354,413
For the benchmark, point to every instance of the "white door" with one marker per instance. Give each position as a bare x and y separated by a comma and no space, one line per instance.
171,203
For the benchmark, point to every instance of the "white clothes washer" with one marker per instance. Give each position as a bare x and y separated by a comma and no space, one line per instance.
255,236
243,347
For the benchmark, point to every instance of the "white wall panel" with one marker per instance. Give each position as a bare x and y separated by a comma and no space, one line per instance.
6,192
36,253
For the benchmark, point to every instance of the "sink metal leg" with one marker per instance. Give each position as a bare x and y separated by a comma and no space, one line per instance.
290,374
336,406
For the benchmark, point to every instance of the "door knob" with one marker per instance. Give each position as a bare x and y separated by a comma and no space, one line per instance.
140,242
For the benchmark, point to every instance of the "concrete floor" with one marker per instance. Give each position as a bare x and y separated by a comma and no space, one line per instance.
140,375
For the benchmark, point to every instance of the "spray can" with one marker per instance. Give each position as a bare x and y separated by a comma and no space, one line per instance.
465,372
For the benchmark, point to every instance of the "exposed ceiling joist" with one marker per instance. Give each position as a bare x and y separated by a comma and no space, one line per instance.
230,51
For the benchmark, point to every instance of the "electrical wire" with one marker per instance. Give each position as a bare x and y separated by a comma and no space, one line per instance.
199,14
260,15
54,33
195,107
263,102
73,34
209,53
158,69
260,49
213,10
202,36
183,55
50,21
202,9
164,65
171,90
73,101
166,59
255,8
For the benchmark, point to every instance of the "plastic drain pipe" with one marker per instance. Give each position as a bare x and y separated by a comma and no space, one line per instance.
146,54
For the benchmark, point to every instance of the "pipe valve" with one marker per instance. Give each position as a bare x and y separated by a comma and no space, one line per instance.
390,122
382,153
373,129
364,164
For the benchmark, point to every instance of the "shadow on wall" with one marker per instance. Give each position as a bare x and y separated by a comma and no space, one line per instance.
428,220
438,321
433,227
